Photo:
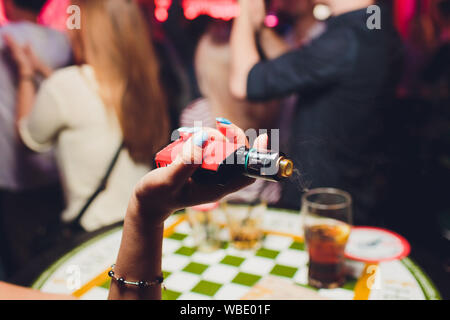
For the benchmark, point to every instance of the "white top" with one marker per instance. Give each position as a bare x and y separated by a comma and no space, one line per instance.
70,115
19,168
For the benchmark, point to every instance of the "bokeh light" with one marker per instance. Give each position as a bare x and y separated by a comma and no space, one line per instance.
271,21
321,12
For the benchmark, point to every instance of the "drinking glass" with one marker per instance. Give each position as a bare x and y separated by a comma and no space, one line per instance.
245,223
205,226
327,218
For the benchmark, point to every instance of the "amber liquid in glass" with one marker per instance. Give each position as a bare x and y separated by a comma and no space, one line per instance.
246,237
326,246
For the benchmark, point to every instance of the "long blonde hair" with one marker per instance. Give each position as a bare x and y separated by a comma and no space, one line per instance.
114,39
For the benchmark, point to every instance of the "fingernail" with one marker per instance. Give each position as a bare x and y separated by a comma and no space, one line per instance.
200,138
223,120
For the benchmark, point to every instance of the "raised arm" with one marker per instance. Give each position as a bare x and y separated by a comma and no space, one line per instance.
160,193
28,65
272,44
244,51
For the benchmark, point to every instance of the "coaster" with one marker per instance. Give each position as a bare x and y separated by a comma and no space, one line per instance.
373,245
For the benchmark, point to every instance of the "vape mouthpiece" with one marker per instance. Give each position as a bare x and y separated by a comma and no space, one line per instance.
285,168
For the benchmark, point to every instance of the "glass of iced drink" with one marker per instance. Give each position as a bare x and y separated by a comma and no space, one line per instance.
245,223
327,218
205,226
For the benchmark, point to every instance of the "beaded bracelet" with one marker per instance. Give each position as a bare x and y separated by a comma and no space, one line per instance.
140,284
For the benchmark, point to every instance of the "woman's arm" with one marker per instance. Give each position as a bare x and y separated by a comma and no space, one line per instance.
272,44
160,193
139,256
26,93
244,51
28,65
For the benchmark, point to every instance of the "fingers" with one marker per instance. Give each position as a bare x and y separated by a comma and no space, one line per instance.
204,193
192,154
38,64
232,132
8,39
214,134
13,46
189,160
262,142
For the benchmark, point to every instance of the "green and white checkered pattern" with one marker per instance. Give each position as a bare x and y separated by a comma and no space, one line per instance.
228,273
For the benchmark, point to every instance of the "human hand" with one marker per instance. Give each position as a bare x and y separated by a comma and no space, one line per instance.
28,64
255,11
168,189
19,56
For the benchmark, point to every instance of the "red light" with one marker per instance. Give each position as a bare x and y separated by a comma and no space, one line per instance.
161,14
271,21
162,9
3,19
404,11
54,14
218,9
190,14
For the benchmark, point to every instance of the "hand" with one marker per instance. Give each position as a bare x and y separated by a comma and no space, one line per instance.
20,56
255,10
28,64
165,190
39,66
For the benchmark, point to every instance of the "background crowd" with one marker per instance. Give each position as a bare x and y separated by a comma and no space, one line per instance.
364,112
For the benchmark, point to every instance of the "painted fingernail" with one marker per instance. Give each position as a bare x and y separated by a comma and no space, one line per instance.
223,120
200,138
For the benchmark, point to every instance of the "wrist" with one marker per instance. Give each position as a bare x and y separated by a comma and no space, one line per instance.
261,32
26,78
26,74
45,71
145,218
26,71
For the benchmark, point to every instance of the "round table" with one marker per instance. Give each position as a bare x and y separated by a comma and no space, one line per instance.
230,274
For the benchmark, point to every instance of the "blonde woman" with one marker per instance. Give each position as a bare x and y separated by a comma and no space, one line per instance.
86,112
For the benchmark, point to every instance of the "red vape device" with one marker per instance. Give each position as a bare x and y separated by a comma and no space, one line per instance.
224,160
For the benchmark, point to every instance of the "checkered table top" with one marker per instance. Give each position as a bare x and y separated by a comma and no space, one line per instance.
228,273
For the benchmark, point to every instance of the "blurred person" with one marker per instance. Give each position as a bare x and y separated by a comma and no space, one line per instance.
29,187
305,27
346,80
109,107
435,81
436,75
217,105
212,68
419,47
